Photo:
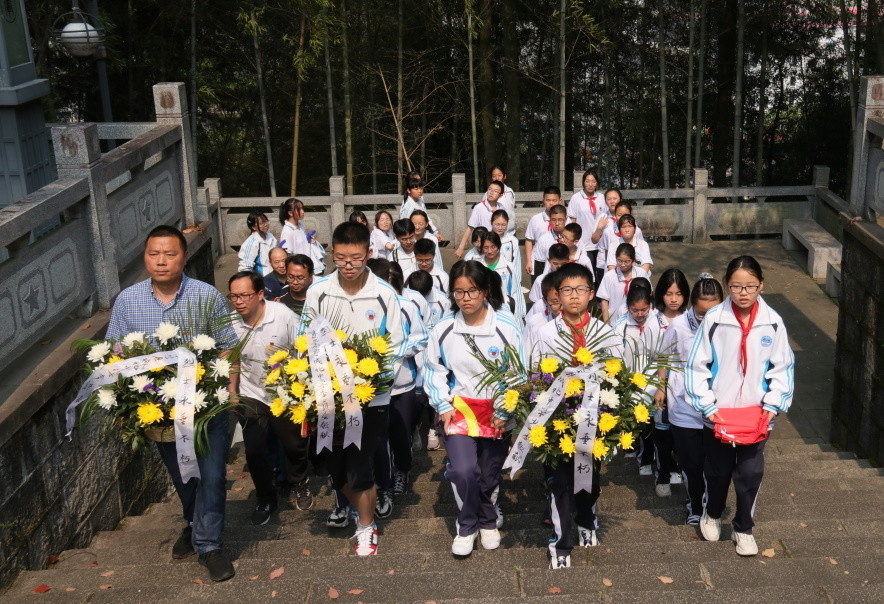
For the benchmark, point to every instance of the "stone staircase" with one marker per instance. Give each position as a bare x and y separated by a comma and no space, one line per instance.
821,513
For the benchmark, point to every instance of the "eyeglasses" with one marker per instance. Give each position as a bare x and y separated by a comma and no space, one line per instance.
297,279
580,289
243,297
354,263
467,294
749,289
406,239
490,248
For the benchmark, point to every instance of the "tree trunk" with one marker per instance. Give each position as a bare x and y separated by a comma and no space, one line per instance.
562,92
851,80
690,104
265,120
511,92
400,156
701,83
664,121
874,38
332,137
738,93
193,83
722,117
486,87
348,130
762,104
472,99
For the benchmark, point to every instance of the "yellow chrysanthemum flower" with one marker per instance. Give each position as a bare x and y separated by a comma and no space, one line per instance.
172,412
560,425
510,400
549,365
642,415
364,392
114,359
296,366
607,422
298,389
272,377
157,370
583,356
341,335
299,414
537,436
331,369
627,441
573,387
379,345
613,367
149,413
367,367
336,385
352,356
566,445
639,379
277,407
200,371
599,448
278,357
301,343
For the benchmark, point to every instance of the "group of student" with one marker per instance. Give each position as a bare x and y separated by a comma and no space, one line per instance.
592,283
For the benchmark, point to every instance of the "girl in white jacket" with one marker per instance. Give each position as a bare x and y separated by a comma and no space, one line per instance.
740,359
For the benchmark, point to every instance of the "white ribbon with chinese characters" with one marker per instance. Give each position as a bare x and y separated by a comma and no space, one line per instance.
184,400
545,405
325,347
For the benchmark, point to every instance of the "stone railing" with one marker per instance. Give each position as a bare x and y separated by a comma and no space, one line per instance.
695,215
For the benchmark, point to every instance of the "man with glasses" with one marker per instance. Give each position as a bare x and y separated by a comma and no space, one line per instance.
265,327
168,295
299,276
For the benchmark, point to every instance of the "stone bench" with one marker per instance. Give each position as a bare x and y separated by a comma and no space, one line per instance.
833,279
821,247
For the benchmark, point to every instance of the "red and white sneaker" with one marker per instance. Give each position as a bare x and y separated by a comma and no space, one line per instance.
366,540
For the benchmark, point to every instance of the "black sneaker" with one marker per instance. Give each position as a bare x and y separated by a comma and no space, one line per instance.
400,482
220,568
184,545
303,496
383,507
262,513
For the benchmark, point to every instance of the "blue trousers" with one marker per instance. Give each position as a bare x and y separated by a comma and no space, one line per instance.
203,501
474,466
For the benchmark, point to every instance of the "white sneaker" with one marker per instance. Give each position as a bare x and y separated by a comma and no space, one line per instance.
463,546
745,543
587,537
629,454
675,478
647,470
366,540
663,490
499,521
490,538
432,440
710,528
560,562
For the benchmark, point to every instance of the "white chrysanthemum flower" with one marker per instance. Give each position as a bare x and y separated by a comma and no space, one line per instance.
199,401
608,398
139,383
136,337
166,332
98,352
220,368
614,382
169,390
579,416
222,394
202,342
107,400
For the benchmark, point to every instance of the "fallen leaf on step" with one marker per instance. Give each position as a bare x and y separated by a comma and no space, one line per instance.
840,528
391,572
762,562
791,494
242,475
108,573
276,574
333,593
355,592
94,564
554,590
105,587
75,589
52,559
41,589
803,525
607,582
768,553
237,488
832,561
198,581
666,580
254,578
305,552
274,593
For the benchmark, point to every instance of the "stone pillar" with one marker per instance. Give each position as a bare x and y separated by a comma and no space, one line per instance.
699,232
458,207
336,211
77,155
867,181
170,104
578,182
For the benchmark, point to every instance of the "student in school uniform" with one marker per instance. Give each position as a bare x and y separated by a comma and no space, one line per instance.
507,201
509,244
436,302
481,214
575,327
404,252
686,424
475,251
628,229
741,359
557,258
425,255
558,218
615,283
255,250
607,233
537,226
452,372
494,260
414,200
295,239
422,230
571,237
542,312
585,208
353,299
383,241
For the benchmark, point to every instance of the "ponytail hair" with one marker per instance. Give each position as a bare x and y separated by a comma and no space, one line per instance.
746,263
486,280
640,291
706,286
625,248
288,206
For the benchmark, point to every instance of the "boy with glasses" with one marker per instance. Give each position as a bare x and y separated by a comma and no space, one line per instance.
425,255
403,229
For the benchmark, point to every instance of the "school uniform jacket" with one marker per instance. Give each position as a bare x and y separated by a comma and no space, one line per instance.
641,343
512,285
679,339
294,239
254,253
406,260
379,241
554,339
408,372
714,378
409,205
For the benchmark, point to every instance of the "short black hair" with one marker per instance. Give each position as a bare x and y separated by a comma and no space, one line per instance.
574,270
624,203
552,191
380,267
575,229
640,291
300,260
559,251
165,230
548,284
420,281
403,227
425,246
558,209
477,234
256,278
253,218
351,233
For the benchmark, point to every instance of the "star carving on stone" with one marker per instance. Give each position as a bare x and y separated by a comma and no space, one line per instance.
32,298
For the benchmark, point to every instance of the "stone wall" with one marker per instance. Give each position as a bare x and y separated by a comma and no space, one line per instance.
57,493
858,403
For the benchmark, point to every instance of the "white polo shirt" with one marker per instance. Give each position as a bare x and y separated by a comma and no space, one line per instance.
278,329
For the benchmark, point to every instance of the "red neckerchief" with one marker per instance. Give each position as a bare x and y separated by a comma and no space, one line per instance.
641,329
746,328
626,283
549,226
577,331
591,201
